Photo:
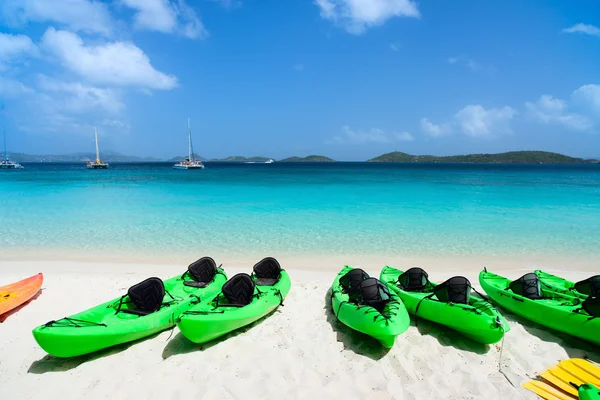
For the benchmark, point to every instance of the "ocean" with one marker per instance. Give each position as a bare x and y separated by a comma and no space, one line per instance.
152,211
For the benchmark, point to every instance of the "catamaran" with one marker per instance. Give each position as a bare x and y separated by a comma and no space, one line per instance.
7,163
189,162
98,164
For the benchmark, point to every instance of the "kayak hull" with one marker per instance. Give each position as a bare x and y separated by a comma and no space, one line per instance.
559,312
101,327
15,294
206,322
478,321
365,319
589,392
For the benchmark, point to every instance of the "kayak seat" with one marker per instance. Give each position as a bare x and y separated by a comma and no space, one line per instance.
202,272
267,272
455,290
527,286
371,292
413,280
589,286
147,297
591,305
238,291
352,279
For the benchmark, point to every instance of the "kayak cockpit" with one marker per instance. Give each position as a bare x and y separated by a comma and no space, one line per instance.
266,272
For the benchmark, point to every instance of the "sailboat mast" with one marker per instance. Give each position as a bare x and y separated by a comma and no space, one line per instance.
5,154
190,149
97,149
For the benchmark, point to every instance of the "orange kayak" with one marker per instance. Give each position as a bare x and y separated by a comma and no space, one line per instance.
15,294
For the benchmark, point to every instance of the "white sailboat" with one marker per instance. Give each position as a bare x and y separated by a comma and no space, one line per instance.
7,163
98,164
189,162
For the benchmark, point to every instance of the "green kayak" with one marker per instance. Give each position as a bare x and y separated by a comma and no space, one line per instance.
581,290
588,391
531,300
243,300
148,307
474,317
366,305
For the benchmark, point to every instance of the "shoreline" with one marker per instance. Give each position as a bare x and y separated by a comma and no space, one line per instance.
330,262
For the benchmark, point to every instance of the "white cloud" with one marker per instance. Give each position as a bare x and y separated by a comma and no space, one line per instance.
79,15
588,95
434,130
476,121
13,88
299,67
166,16
16,46
356,16
78,97
395,46
583,28
550,110
114,63
374,135
467,62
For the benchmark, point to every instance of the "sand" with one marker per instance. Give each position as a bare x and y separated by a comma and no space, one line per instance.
299,352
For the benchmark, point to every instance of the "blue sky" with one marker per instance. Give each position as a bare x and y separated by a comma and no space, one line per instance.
351,79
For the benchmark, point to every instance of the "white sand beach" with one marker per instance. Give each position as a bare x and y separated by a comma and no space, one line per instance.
299,352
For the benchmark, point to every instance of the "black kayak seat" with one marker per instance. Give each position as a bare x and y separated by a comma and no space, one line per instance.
238,290
589,286
527,286
455,290
371,292
147,297
267,272
591,305
413,280
202,272
351,279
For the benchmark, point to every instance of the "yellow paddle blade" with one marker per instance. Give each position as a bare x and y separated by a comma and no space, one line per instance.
546,391
558,382
561,378
583,369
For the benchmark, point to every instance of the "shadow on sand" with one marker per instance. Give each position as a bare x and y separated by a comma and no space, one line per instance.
355,341
50,363
181,345
5,316
448,337
575,348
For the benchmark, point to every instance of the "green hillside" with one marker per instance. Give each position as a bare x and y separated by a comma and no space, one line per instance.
529,157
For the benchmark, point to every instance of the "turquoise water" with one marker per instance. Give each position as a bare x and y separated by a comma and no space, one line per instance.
344,208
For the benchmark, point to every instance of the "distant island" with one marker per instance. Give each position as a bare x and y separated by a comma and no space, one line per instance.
524,157
181,158
521,157
78,157
308,159
241,159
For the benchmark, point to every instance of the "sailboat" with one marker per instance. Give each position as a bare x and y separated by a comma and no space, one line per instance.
189,162
7,163
98,164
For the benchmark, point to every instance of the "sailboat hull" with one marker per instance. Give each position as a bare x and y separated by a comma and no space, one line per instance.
176,166
11,166
97,166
